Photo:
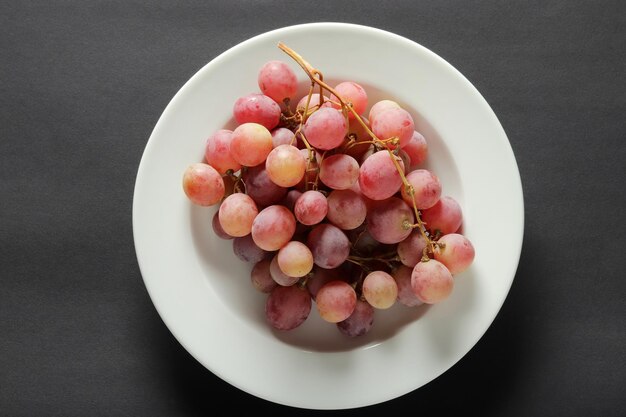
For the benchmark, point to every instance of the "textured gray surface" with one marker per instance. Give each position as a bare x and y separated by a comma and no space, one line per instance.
82,86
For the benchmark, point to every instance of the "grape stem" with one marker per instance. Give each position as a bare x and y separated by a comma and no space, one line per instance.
316,77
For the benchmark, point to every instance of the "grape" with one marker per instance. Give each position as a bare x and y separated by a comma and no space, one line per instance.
445,216
325,129
320,277
311,207
261,278
393,122
285,165
390,221
310,174
260,187
336,301
295,259
346,209
273,227
406,296
361,135
314,103
380,289
290,199
247,250
351,93
378,177
217,227
251,144
202,184
329,245
457,253
360,321
417,149
426,188
283,136
339,171
279,276
411,249
277,80
257,108
237,213
287,307
380,107
431,281
217,152
364,244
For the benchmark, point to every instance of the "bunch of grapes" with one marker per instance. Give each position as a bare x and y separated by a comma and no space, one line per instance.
329,206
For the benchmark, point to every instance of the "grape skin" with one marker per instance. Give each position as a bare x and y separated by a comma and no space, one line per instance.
203,185
380,289
325,129
380,107
335,301
295,259
283,136
417,149
246,250
277,80
445,216
406,296
426,187
352,93
311,207
390,221
287,307
273,227
360,321
251,143
378,177
237,213
411,249
261,278
339,171
261,188
457,253
320,277
346,209
257,108
217,152
217,227
394,122
279,276
329,245
431,281
314,103
285,165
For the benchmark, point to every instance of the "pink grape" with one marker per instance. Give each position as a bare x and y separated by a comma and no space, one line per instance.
457,253
217,227
273,227
217,152
203,185
359,322
417,149
394,122
426,188
237,213
390,221
277,80
406,296
329,245
320,277
351,93
361,135
380,289
279,276
335,301
260,187
314,103
380,107
378,178
285,165
411,249
325,129
246,250
445,216
261,278
283,136
251,144
295,259
311,207
287,307
431,281
257,108
339,171
346,209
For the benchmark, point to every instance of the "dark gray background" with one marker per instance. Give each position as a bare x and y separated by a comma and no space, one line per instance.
82,86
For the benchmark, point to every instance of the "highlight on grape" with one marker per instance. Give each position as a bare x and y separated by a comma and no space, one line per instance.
331,208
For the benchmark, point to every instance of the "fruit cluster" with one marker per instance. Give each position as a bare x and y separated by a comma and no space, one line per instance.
329,205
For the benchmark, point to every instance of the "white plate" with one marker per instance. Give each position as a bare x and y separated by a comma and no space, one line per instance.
203,292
